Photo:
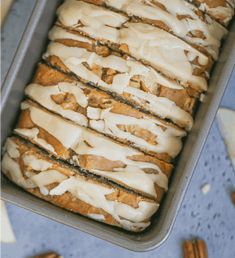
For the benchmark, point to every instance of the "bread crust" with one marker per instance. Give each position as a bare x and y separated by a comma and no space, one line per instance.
132,126
149,91
91,151
126,36
188,23
220,10
29,159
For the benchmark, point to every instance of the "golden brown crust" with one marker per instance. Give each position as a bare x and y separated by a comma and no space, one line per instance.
47,76
213,3
87,161
166,167
25,122
162,25
199,70
187,95
68,170
219,15
67,200
182,98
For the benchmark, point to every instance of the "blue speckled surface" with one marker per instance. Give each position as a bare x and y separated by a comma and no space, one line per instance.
210,216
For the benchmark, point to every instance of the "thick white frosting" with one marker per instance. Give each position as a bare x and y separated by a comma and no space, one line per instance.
43,96
85,142
30,160
130,65
60,33
12,148
164,51
73,58
104,22
88,191
98,217
167,141
47,177
223,13
13,168
159,48
167,138
211,30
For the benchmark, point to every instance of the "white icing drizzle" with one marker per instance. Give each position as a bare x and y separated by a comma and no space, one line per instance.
11,167
12,148
162,50
73,58
44,190
94,195
33,134
223,13
90,192
99,217
103,23
43,96
144,182
85,142
168,139
57,127
48,177
211,30
24,105
59,33
148,74
35,164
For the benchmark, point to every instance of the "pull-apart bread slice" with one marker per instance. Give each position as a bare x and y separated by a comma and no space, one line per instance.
177,17
220,10
154,46
93,152
119,74
98,110
68,188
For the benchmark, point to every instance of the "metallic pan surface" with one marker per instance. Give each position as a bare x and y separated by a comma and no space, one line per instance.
20,73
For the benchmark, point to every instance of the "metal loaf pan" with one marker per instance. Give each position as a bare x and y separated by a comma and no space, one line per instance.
20,73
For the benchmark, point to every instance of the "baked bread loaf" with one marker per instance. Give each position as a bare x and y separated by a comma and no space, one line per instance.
222,11
106,112
177,17
73,190
142,41
95,109
132,81
93,152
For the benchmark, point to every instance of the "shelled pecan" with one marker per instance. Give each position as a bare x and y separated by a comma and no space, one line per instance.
233,197
48,255
195,249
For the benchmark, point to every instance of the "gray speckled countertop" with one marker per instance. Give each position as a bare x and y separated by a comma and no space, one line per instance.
210,216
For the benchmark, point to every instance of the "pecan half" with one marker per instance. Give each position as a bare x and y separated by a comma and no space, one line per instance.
195,249
48,255
233,197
